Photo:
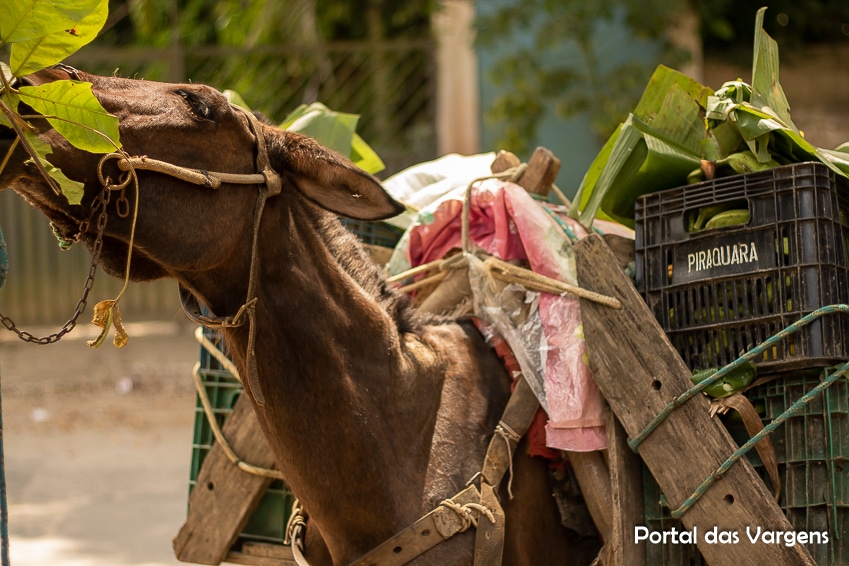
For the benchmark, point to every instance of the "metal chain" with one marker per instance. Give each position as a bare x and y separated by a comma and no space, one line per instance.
101,200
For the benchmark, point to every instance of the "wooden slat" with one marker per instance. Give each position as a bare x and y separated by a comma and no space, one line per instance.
626,486
224,497
593,478
250,560
267,550
262,554
639,372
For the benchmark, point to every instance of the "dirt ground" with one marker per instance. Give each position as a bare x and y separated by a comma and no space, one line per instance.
98,446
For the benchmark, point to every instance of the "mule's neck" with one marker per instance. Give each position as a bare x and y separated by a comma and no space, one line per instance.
350,399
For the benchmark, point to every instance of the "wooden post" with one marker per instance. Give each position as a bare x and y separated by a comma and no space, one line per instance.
504,160
639,373
543,168
224,496
626,486
594,480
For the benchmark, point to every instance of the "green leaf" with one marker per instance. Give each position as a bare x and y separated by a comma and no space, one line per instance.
655,149
336,130
590,180
72,109
35,54
7,73
641,161
365,157
10,99
235,98
72,190
24,20
838,158
332,129
767,93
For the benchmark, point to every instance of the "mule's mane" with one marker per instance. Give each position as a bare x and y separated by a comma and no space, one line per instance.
346,249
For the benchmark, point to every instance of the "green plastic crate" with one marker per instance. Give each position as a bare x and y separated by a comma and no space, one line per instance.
268,521
812,450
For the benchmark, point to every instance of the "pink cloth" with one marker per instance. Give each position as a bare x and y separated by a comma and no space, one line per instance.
506,222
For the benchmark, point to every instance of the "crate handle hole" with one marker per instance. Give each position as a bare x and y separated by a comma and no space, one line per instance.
210,486
729,499
717,215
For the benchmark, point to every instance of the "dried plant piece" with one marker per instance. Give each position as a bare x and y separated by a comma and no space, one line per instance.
121,336
108,315
103,318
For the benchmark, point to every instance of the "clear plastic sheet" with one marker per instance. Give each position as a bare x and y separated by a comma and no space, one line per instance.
513,313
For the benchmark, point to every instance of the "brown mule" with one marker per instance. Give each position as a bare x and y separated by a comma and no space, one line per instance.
374,415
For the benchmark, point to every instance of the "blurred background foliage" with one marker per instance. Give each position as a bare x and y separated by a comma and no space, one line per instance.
604,86
375,57
574,67
726,25
372,58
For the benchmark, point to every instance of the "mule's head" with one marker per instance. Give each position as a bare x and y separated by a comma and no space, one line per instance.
183,227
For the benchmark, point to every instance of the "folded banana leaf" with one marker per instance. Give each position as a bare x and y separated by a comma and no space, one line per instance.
654,149
679,125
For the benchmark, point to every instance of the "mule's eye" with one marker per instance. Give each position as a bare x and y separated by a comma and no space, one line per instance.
199,107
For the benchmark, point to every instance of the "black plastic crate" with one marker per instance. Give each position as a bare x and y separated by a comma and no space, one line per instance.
719,292
375,233
812,451
268,521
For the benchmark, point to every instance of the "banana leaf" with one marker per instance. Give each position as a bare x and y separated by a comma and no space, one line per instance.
656,147
336,130
679,123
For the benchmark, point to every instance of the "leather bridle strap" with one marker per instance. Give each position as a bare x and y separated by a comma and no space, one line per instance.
270,184
214,179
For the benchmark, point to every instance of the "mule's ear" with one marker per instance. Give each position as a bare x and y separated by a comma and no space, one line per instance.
330,180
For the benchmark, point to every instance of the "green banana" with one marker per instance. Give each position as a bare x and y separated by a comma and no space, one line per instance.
740,162
697,222
726,218
695,176
745,162
736,379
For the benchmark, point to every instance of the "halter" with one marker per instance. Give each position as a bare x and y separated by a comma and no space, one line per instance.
270,185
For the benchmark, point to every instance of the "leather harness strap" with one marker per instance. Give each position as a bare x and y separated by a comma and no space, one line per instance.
481,503
437,526
270,185
517,417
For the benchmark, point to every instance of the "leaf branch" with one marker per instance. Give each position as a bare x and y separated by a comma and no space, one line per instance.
21,138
